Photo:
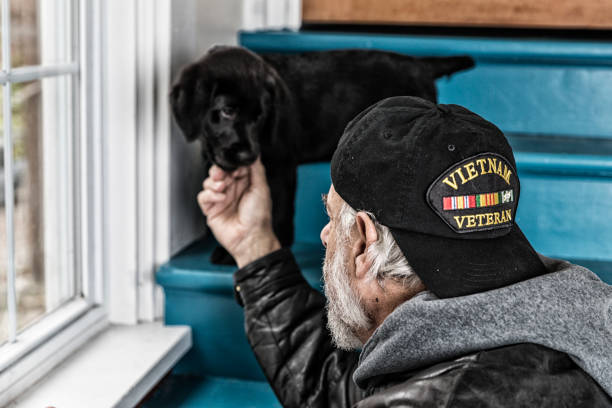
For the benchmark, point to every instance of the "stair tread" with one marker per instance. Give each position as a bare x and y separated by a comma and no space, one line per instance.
190,391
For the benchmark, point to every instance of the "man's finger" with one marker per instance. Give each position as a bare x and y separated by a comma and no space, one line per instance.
209,196
212,203
217,173
241,185
240,172
204,200
217,186
204,206
258,174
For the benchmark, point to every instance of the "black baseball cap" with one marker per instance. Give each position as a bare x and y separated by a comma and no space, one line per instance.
444,180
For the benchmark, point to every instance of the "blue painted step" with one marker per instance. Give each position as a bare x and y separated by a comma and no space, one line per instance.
201,295
211,392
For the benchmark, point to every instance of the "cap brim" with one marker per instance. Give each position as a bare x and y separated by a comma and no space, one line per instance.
456,267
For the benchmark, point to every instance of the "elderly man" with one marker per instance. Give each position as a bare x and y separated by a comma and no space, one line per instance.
425,271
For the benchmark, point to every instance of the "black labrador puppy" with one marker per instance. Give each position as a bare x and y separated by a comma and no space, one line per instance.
290,108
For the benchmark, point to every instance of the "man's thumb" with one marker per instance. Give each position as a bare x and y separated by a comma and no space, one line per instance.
258,174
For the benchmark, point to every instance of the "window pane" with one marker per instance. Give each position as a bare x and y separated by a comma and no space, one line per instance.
3,260
25,49
40,32
42,123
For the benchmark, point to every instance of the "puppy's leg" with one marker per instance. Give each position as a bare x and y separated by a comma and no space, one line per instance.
282,180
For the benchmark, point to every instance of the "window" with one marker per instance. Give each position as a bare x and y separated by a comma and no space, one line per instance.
85,125
39,108
49,186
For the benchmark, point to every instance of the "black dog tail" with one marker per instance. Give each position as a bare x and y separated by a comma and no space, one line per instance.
442,66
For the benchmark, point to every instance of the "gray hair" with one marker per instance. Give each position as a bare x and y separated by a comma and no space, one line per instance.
388,261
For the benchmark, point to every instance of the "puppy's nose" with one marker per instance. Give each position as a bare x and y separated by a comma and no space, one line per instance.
245,156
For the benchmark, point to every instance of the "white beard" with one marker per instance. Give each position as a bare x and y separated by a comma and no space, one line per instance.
345,313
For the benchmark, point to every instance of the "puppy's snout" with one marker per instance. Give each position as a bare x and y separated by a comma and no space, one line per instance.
246,156
239,155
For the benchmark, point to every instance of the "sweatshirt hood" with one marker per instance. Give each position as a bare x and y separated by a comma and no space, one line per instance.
568,310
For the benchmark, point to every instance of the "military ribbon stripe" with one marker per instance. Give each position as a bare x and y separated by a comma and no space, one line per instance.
477,200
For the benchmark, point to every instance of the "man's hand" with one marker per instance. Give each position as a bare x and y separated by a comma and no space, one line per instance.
238,210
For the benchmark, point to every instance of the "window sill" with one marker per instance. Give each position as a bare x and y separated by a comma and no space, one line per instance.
117,368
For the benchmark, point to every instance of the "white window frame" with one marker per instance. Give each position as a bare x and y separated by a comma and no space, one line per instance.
32,353
137,148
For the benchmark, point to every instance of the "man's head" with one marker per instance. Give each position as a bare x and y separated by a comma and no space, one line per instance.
365,273
442,182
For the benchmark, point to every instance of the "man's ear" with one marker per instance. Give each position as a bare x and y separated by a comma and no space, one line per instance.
366,235
187,100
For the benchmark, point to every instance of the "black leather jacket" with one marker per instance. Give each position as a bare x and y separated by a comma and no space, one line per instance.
286,326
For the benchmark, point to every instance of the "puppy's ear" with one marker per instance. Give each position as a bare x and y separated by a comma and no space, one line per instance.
188,100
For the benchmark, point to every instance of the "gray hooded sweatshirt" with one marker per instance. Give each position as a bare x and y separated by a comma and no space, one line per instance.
569,310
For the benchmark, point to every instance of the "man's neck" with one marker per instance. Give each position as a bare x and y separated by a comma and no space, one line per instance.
395,293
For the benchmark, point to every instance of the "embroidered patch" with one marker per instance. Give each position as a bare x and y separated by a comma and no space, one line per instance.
477,200
476,194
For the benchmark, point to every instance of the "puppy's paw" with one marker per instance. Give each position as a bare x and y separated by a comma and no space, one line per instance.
220,256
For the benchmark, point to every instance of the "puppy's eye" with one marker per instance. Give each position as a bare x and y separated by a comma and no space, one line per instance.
229,113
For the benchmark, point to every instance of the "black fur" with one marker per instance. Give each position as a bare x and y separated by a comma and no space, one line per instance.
290,108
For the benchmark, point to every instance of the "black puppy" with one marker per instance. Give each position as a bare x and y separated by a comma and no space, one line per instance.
290,108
